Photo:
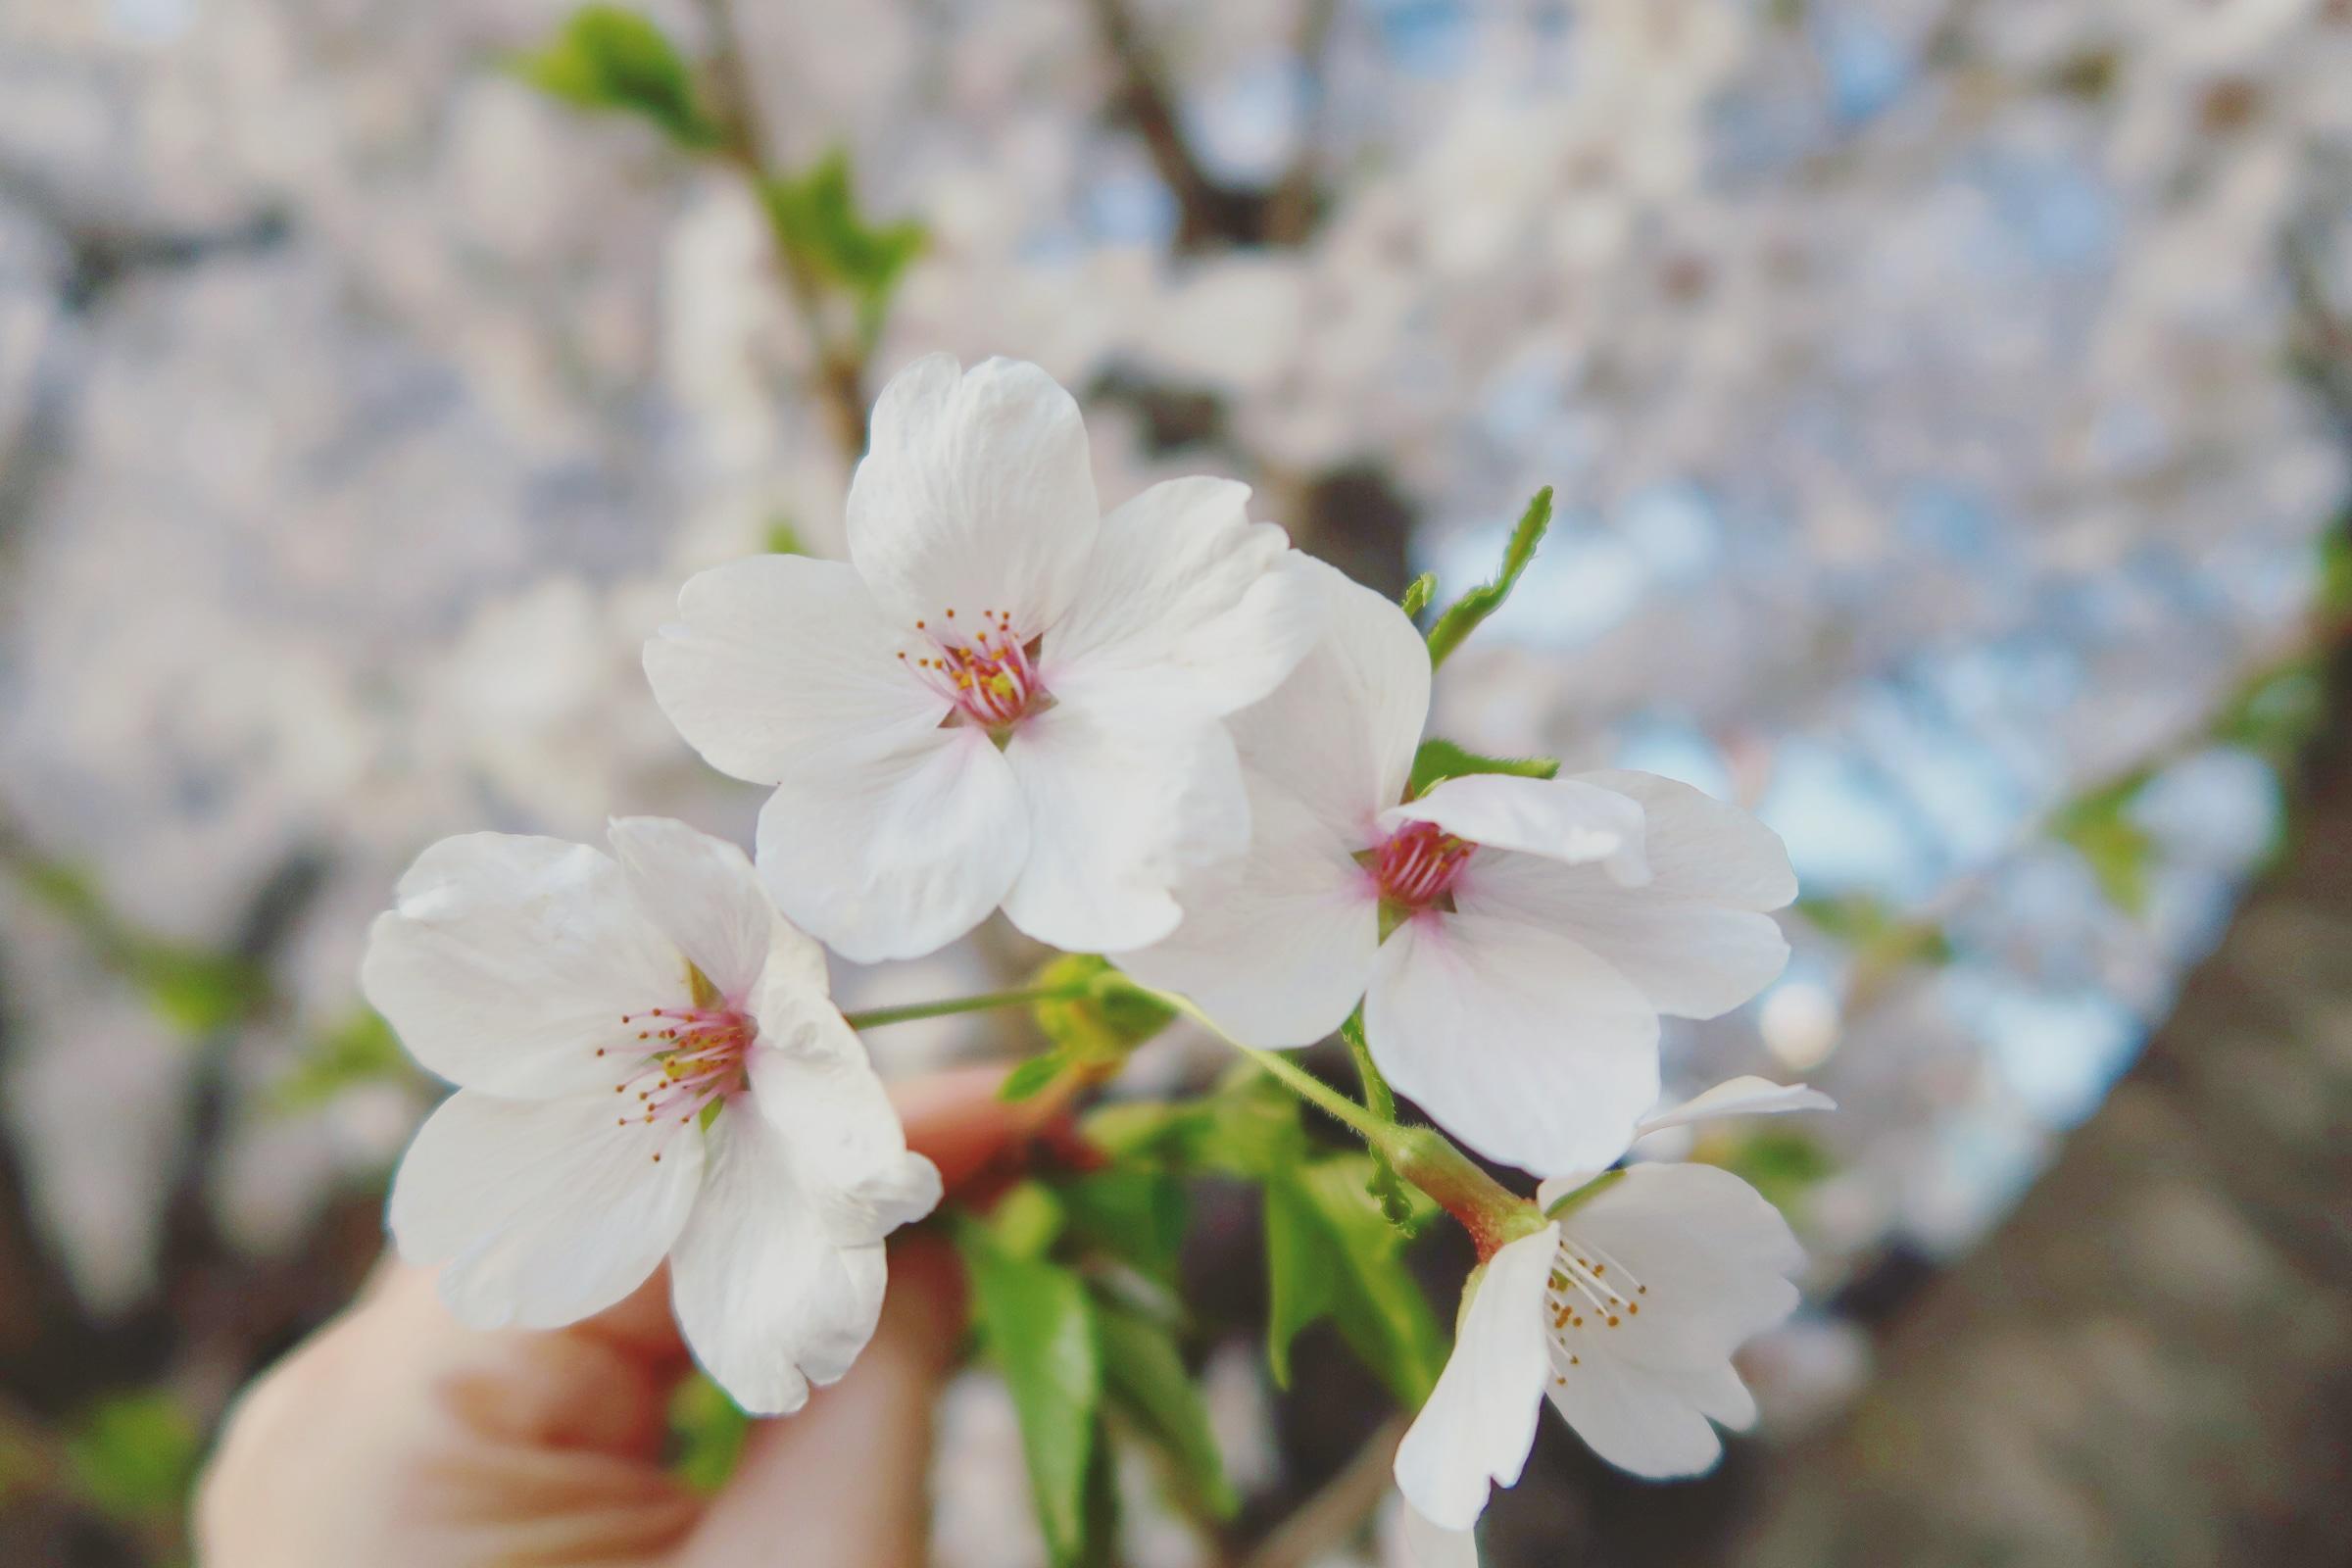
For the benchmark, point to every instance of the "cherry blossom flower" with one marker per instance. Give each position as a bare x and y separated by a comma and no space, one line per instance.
1004,696
1513,940
648,1066
1624,1308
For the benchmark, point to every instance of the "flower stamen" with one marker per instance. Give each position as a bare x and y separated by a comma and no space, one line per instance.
686,1060
991,676
1417,866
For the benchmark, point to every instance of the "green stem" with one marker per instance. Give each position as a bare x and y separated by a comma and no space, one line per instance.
1307,1087
1379,1097
987,1001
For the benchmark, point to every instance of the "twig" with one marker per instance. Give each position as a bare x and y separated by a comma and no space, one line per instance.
838,374
1207,213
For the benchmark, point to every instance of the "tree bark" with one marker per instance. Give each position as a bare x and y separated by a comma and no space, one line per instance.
2150,1363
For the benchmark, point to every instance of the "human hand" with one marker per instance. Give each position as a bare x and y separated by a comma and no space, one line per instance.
397,1436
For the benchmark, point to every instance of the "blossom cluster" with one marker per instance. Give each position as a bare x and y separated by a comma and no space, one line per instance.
1160,734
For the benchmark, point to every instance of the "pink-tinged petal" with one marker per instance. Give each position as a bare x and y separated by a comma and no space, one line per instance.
1691,957
507,961
1122,805
703,891
976,493
1277,944
1340,732
541,1212
767,1301
1701,847
901,854
1517,1041
1186,606
1480,1420
1707,1260
1737,1096
782,664
1559,819
813,1085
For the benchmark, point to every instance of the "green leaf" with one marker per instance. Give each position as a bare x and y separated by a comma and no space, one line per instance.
707,1433
816,217
361,1050
1148,1384
1417,594
2276,714
1443,759
610,59
1136,1214
2100,828
1027,1220
1110,1015
1030,1078
1331,1252
194,991
1880,936
1781,1163
1036,1323
1464,614
134,1455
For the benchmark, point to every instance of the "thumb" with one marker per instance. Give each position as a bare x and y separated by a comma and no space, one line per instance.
844,1480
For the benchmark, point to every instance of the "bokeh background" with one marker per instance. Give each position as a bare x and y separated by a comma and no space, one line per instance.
1948,402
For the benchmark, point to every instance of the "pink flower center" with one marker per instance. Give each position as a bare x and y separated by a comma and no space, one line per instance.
989,673
1418,864
682,1061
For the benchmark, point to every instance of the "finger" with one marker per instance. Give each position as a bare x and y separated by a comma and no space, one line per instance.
846,1477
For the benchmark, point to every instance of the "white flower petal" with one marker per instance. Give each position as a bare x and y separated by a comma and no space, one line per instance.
812,1081
1122,806
1480,1420
1340,732
1185,604
767,1301
976,493
1737,1096
897,858
1430,1545
1691,957
543,1211
1519,1041
1701,847
704,895
1559,819
1712,1259
507,960
1278,943
784,665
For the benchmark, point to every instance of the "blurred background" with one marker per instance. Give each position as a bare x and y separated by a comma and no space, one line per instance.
1949,406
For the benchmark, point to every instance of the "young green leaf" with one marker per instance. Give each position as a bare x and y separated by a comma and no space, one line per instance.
816,217
707,1433
1037,1324
361,1050
610,59
1464,614
1108,1016
1417,594
134,1454
1147,1383
2100,828
1136,1214
1030,1078
1438,759
1331,1252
